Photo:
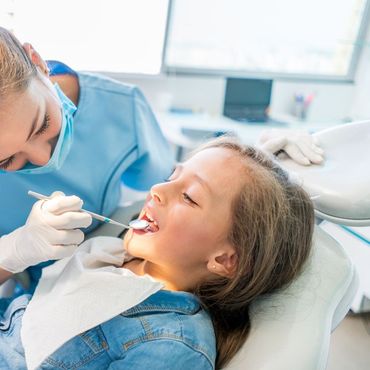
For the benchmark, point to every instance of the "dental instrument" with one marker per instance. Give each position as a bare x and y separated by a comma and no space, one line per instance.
134,224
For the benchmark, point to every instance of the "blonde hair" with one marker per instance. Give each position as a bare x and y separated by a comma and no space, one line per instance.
16,68
271,231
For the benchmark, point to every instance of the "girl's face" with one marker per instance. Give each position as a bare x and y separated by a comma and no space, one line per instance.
191,212
30,123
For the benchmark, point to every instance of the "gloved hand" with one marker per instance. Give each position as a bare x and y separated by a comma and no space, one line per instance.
49,233
297,144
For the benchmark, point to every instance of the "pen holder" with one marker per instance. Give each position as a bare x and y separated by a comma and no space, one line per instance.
301,105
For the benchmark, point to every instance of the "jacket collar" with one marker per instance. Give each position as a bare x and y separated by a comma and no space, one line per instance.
167,301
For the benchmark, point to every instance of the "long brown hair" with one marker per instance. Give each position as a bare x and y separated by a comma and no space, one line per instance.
16,68
271,230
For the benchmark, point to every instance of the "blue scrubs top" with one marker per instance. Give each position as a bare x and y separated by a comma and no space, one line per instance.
116,138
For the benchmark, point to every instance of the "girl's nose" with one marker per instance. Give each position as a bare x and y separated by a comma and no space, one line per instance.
158,193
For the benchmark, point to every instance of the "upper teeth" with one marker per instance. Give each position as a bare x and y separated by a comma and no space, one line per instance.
150,218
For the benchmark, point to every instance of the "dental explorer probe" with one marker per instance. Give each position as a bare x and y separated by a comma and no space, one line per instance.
134,224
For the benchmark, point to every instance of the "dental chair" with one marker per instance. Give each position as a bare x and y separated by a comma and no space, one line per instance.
291,329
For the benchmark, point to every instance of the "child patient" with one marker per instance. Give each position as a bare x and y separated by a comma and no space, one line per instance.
225,228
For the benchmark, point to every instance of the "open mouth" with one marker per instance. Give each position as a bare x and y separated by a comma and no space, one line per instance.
153,226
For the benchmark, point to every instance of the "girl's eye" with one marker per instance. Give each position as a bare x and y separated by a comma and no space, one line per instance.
6,164
44,126
188,199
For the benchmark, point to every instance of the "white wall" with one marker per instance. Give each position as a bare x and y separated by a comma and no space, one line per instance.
333,101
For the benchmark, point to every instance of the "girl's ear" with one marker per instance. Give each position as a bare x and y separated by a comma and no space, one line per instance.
223,263
36,58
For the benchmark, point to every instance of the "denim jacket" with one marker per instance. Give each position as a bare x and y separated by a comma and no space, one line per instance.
169,330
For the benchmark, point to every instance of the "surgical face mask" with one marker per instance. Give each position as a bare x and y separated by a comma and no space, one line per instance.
63,144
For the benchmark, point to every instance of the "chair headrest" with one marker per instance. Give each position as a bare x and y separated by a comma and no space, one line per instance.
291,329
340,187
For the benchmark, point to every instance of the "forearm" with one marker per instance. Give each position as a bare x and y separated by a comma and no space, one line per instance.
4,275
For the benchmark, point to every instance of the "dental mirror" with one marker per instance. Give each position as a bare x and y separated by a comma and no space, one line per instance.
139,224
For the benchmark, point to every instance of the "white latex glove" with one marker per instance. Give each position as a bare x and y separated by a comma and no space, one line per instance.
49,233
297,144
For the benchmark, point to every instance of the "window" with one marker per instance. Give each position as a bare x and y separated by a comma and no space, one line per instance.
268,38
96,35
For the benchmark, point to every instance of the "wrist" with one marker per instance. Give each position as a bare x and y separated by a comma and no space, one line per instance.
17,250
9,256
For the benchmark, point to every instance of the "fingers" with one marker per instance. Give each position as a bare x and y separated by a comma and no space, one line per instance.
300,151
310,141
56,194
69,220
298,145
274,145
309,146
60,212
74,220
311,153
63,212
59,204
62,251
295,153
316,146
303,154
66,237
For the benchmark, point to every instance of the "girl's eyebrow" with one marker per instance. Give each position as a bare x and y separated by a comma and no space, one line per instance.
33,126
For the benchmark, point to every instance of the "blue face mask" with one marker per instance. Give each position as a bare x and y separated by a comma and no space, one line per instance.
63,144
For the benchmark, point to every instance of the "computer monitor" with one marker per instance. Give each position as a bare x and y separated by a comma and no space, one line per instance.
247,99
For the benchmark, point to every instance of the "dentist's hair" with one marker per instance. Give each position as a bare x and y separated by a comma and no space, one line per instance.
16,68
271,230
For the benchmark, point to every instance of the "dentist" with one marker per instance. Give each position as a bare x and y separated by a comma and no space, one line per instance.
80,133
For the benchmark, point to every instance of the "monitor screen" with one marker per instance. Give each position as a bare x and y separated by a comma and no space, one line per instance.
247,99
247,92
